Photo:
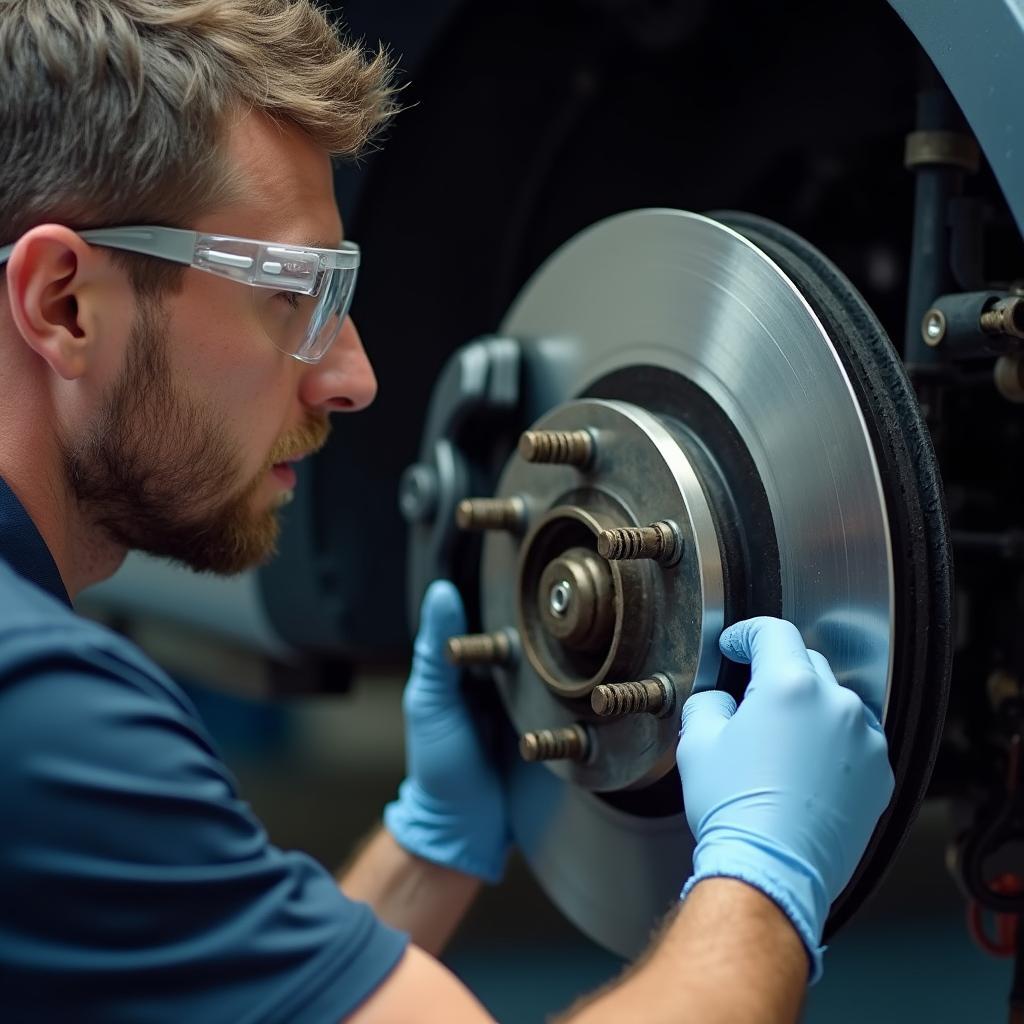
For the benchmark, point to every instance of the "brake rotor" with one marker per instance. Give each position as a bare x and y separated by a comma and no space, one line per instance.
725,385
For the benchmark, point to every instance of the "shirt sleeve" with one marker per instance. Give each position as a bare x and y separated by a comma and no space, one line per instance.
135,885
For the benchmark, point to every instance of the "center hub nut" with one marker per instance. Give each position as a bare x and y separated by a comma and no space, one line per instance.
582,619
577,601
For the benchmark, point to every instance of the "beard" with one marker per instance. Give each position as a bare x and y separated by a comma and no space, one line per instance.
158,472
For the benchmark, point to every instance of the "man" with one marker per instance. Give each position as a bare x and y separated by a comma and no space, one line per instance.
173,336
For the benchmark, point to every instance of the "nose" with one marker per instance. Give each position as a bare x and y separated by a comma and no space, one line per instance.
343,381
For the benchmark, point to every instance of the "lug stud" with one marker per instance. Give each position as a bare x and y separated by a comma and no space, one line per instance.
563,447
568,744
660,542
652,696
491,514
482,649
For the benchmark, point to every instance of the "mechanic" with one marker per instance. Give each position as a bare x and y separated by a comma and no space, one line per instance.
158,384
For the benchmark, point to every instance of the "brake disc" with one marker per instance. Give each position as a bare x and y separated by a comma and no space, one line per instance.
719,428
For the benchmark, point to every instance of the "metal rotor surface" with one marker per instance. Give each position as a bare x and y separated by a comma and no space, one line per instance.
684,293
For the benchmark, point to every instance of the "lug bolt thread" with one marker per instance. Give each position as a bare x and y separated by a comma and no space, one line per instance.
563,447
614,699
1005,317
660,542
491,514
568,744
480,649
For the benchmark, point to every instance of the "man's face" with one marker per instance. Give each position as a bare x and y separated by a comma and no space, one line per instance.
188,455
162,472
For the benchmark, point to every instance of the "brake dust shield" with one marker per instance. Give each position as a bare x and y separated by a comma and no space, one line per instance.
724,379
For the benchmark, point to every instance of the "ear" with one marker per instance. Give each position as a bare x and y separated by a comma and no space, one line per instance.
52,277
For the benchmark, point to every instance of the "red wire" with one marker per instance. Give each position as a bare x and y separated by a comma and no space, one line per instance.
1005,944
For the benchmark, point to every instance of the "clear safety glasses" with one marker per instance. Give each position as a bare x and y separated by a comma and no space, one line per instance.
302,294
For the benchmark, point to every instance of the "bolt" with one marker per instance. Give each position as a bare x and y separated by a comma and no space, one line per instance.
561,597
565,447
1005,317
653,696
482,648
491,514
568,744
933,327
660,542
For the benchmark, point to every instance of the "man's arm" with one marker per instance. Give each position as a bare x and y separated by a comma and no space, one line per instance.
448,831
729,955
425,900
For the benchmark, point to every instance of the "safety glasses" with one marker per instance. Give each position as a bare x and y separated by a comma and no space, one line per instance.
303,294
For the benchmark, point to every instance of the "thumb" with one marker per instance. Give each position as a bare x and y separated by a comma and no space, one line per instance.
441,617
704,717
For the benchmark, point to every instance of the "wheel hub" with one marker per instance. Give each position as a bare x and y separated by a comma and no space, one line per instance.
584,619
719,429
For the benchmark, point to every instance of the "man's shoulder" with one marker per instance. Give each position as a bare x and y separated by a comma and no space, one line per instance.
124,845
87,718
40,635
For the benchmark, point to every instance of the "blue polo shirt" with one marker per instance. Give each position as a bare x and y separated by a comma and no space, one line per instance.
135,884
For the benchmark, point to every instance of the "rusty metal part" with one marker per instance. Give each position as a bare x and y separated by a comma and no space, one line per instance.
491,514
604,629
660,542
561,447
654,696
576,599
662,618
498,648
570,743
952,149
1005,317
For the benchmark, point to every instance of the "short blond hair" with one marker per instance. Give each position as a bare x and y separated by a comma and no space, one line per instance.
114,111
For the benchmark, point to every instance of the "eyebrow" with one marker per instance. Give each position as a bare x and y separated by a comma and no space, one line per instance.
309,242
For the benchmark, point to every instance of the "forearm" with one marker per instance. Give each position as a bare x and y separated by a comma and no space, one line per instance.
729,955
423,899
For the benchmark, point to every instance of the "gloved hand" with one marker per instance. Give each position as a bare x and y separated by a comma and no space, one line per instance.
785,792
451,807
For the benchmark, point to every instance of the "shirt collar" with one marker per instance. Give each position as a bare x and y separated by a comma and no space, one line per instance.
23,548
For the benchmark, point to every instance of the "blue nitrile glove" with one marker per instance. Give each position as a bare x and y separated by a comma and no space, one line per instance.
785,792
451,807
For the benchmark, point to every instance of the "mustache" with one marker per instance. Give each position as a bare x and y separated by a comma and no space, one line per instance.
310,437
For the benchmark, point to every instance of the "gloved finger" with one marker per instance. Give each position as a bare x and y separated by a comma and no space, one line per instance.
826,675
822,667
441,617
765,641
704,717
872,720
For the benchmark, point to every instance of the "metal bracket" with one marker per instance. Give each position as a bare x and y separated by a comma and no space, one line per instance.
478,385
